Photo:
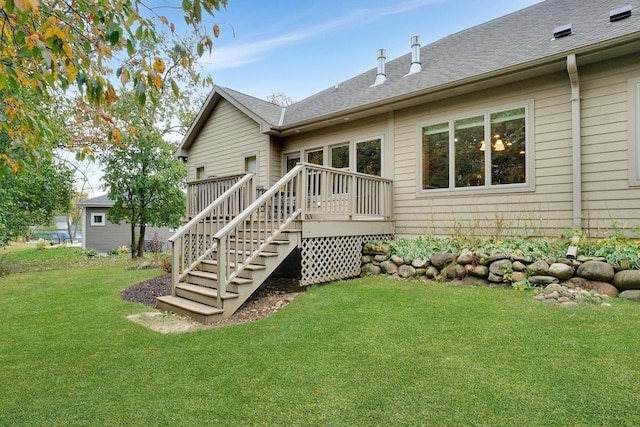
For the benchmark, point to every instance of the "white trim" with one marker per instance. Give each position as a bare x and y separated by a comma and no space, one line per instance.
315,150
246,156
633,130
487,188
102,223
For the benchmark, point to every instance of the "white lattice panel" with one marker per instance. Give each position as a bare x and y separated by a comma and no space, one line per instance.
332,258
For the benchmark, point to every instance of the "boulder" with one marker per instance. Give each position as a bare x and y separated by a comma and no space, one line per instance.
483,258
420,263
478,271
543,280
538,268
596,270
441,259
406,271
575,282
554,287
372,248
369,270
494,278
602,288
366,259
465,257
496,257
431,272
561,271
453,271
501,266
632,294
518,276
473,281
627,279
524,259
397,260
389,267
380,258
519,266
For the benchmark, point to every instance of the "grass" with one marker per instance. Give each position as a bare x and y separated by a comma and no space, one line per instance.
371,351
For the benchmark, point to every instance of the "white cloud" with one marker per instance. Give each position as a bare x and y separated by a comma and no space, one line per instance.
240,54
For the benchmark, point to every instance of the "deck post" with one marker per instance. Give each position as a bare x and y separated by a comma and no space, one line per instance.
176,250
223,268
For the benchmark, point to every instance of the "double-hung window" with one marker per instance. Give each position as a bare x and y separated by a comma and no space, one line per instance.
477,151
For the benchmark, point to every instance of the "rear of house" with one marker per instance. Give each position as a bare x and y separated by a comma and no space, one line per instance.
527,124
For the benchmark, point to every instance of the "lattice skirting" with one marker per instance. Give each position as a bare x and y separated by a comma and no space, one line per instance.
332,258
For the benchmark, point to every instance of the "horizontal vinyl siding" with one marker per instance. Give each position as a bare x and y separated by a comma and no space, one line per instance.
225,139
547,210
608,200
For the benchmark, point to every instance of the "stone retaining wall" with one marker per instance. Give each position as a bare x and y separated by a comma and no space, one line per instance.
584,273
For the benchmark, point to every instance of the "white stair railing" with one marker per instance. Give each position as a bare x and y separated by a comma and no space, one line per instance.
194,241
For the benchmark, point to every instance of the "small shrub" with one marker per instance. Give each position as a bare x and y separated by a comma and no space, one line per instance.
119,251
522,285
92,253
165,262
41,244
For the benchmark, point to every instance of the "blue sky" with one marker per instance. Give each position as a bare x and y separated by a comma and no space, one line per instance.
299,47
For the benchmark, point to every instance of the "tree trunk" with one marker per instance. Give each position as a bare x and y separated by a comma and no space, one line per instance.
141,242
133,241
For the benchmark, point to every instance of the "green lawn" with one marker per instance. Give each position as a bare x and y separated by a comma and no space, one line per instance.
367,352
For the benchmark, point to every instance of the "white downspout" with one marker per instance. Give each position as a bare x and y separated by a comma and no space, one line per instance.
576,140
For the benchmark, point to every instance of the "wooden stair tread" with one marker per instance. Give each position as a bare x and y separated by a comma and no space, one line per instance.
214,277
251,267
195,307
203,290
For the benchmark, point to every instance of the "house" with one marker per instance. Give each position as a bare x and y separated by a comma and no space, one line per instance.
528,124
102,235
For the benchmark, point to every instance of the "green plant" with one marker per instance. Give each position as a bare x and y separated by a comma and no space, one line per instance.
522,285
92,253
41,244
165,262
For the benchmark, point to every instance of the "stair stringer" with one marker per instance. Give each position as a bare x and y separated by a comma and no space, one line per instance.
271,263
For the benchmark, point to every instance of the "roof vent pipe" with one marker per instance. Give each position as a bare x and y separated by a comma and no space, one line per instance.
416,65
620,13
381,77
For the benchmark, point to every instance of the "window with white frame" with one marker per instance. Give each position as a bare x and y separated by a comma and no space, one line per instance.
369,156
634,131
480,150
251,163
98,219
340,156
316,156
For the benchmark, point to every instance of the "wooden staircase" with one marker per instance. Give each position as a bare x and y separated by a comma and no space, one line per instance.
197,295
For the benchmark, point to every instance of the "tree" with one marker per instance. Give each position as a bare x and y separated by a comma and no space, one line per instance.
280,99
33,195
144,181
48,47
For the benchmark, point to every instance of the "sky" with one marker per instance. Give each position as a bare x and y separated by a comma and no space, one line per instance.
300,47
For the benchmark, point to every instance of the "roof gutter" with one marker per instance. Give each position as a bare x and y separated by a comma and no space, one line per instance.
576,140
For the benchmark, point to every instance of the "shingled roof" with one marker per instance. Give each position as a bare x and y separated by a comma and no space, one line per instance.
522,40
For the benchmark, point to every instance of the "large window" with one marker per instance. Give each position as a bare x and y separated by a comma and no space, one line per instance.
369,157
340,156
478,151
315,157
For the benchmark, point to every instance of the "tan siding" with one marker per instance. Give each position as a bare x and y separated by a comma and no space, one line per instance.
518,211
227,136
607,196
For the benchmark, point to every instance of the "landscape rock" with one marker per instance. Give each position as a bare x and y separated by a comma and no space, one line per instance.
366,259
561,271
603,288
633,294
483,258
543,280
389,267
497,256
465,257
518,276
568,304
441,259
370,269
420,263
538,268
478,271
524,259
519,266
406,271
431,272
397,260
500,267
494,278
380,258
596,270
373,248
627,280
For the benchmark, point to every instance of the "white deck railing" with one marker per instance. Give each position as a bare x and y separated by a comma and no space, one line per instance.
194,241
239,226
201,193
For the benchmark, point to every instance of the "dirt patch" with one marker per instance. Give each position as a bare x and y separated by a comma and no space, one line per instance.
274,294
